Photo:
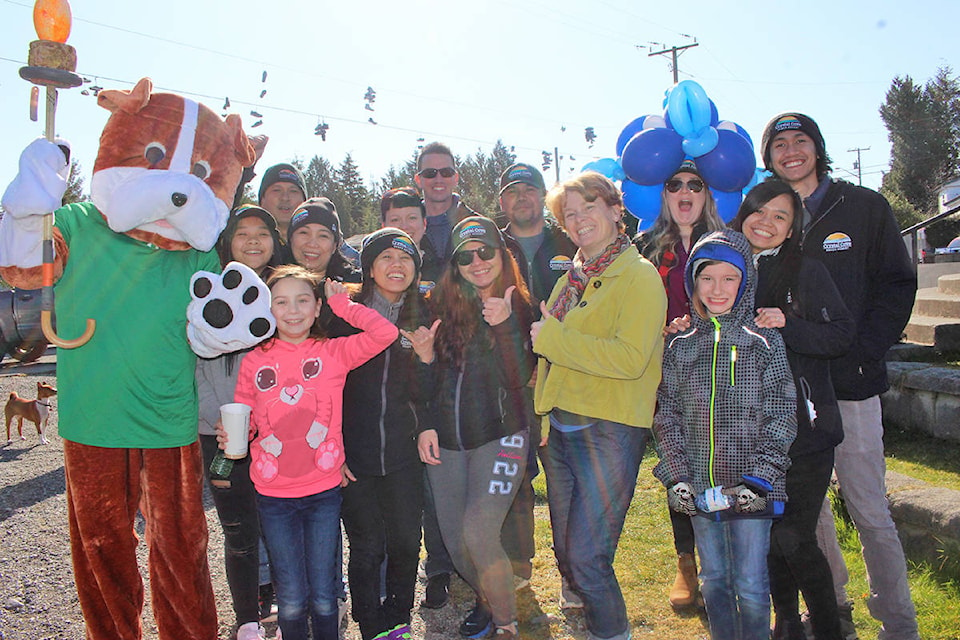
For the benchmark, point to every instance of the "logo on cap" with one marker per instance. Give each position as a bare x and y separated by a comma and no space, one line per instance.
787,123
403,244
299,215
472,230
286,174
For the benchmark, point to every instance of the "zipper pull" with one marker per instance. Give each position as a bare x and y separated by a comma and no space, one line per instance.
716,329
733,361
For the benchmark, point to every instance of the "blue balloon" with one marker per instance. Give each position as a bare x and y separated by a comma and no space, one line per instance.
651,156
632,129
729,167
728,202
608,167
714,115
759,175
689,108
642,202
703,142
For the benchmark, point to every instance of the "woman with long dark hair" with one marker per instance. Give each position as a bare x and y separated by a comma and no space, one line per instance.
797,295
476,445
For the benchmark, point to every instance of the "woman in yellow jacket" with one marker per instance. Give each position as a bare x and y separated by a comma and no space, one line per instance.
600,344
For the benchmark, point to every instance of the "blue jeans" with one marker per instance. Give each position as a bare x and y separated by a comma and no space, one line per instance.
733,576
303,538
591,476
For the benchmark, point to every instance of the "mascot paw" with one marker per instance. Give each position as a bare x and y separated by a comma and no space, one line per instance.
41,181
327,456
228,312
267,466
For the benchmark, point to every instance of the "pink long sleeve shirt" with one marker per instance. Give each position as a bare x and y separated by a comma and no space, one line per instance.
296,391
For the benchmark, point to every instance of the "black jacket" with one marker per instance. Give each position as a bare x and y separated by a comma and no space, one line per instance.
552,261
855,235
432,261
482,399
818,327
383,401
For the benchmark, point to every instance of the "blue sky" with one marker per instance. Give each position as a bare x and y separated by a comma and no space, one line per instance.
532,73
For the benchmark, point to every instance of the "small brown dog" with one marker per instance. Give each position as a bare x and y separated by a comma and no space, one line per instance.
36,411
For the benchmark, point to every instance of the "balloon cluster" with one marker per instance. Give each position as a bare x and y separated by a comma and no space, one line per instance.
652,147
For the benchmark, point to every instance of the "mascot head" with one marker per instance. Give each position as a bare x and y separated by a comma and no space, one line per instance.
167,168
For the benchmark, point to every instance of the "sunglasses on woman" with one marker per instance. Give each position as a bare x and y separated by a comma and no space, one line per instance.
446,172
465,256
676,184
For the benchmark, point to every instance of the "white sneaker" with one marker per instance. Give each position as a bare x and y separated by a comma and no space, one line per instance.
251,631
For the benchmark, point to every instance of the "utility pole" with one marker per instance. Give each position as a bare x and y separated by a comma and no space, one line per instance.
857,164
675,53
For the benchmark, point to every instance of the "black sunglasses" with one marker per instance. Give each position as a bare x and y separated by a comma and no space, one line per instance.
465,256
676,184
446,172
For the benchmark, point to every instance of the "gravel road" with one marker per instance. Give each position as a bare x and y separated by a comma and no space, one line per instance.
37,596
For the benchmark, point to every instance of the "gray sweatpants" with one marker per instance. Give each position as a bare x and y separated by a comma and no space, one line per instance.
473,490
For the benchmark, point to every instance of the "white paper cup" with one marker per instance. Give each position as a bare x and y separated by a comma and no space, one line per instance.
235,417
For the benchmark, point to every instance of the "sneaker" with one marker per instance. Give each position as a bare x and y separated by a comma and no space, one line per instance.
400,632
848,629
251,631
478,622
268,603
506,633
568,597
437,593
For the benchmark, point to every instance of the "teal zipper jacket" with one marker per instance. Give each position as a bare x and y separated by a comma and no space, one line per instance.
726,406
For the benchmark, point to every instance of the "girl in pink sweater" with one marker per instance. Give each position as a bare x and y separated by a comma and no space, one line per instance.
294,382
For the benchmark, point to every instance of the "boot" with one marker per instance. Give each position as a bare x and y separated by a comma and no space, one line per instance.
685,588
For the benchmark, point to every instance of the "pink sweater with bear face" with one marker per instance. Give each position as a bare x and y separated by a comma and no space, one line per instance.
296,391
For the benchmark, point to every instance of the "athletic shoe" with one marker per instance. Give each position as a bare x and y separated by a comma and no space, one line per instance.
478,622
437,593
251,631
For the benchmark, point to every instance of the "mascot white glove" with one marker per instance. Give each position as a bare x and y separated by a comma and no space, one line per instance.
228,312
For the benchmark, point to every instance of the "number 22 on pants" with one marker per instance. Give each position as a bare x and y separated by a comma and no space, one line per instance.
506,465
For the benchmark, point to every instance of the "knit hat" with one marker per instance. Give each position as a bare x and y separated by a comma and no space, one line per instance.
282,173
476,228
687,166
383,239
791,122
238,214
318,211
717,252
521,173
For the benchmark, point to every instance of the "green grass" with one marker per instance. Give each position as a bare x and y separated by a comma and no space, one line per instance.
646,562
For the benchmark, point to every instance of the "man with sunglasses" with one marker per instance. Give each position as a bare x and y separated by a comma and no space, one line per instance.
547,253
852,231
437,178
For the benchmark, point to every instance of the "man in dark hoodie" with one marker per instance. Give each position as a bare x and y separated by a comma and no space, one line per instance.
853,232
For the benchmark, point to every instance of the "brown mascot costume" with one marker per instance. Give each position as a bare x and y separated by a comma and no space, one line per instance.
165,173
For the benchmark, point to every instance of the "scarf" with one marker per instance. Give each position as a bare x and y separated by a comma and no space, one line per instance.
580,274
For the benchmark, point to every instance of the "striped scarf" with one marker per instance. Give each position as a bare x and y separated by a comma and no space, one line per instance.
580,274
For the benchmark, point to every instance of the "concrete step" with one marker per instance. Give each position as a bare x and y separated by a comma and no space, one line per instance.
941,333
933,302
949,284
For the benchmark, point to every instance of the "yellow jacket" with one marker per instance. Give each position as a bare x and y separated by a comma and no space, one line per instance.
603,360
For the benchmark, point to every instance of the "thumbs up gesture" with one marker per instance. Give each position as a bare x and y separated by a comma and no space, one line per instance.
536,326
496,310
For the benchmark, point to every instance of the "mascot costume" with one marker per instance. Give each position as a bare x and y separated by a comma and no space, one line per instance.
165,174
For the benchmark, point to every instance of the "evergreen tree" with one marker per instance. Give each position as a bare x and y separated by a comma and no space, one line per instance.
924,128
319,176
352,199
480,178
402,176
74,192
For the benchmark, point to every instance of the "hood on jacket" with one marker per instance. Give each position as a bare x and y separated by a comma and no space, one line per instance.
732,247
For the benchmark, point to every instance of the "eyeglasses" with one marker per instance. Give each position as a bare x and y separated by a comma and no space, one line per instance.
465,256
446,172
676,184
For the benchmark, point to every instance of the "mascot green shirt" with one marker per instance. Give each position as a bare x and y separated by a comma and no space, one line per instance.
147,399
